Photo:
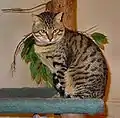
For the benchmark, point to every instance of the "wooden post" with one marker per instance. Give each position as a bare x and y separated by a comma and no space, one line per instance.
68,7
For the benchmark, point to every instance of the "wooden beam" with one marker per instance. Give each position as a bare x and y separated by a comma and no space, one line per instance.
69,7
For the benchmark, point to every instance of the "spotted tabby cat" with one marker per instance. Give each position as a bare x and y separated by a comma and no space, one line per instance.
71,56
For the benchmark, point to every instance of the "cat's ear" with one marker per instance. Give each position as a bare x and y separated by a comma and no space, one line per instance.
35,18
59,17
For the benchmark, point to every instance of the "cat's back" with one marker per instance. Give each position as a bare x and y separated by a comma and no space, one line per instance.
79,43
84,54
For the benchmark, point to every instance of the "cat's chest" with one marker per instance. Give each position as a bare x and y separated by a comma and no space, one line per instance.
46,55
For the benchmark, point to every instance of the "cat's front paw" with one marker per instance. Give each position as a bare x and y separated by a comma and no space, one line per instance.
67,95
57,95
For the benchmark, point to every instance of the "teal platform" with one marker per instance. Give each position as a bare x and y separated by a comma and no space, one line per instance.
38,100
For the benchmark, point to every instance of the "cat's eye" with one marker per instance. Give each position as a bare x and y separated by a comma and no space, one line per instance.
56,30
42,31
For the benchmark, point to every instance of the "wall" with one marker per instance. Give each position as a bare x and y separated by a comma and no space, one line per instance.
105,14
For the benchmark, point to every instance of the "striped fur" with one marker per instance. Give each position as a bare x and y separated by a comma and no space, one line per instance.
74,58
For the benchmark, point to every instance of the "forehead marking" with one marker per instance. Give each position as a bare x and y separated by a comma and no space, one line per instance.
48,19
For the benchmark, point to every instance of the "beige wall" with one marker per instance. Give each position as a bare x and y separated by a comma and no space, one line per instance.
104,13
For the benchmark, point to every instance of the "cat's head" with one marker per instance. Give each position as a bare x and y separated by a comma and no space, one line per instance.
48,27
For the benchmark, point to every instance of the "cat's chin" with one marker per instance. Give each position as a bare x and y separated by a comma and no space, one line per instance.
44,43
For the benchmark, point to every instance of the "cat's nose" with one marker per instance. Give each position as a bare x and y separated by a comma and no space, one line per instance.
50,37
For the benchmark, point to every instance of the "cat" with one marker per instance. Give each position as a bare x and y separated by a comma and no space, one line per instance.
71,56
